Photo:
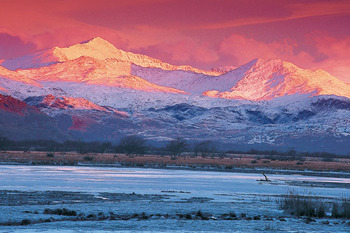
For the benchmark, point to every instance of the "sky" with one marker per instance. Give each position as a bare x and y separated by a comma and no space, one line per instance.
200,33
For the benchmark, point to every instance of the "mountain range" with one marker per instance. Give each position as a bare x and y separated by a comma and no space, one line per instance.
94,91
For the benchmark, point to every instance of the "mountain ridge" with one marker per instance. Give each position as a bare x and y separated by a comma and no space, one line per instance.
94,91
97,48
99,62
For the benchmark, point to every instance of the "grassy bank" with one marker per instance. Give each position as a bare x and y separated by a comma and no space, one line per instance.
228,162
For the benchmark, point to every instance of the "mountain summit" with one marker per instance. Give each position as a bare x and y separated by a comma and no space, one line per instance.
96,48
267,79
95,91
98,62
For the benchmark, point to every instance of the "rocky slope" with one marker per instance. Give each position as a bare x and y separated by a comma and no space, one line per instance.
94,91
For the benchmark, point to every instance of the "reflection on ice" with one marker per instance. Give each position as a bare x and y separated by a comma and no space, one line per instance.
127,180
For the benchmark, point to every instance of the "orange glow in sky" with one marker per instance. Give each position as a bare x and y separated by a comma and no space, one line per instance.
201,33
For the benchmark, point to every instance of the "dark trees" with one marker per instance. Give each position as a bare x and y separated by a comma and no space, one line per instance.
4,143
205,148
132,145
177,147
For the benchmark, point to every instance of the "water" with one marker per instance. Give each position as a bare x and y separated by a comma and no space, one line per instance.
154,181
231,192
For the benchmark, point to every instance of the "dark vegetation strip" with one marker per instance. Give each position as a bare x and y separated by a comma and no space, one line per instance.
309,206
135,145
199,215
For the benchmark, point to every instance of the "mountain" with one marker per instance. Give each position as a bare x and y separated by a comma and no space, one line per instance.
19,121
94,91
98,49
264,80
97,62
256,80
81,118
51,102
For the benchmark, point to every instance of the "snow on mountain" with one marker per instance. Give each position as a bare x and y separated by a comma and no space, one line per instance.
266,80
97,62
80,118
278,123
43,58
15,76
87,70
96,48
192,82
64,103
264,101
256,80
223,69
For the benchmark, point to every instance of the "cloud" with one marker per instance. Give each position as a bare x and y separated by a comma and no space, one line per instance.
293,11
13,46
243,49
183,52
67,36
333,51
164,29
169,45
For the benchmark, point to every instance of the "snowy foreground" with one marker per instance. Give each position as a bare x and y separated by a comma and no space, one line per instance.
155,200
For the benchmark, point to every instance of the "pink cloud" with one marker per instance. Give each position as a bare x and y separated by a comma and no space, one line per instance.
243,49
13,46
185,32
183,52
335,52
291,11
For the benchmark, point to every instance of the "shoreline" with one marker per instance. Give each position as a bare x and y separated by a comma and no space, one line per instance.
232,163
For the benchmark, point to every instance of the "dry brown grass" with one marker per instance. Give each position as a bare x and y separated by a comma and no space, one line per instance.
231,161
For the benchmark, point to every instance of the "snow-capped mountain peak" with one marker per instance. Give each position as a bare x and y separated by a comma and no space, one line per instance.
96,91
98,62
267,79
96,48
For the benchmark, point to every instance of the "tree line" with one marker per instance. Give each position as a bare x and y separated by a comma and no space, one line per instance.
137,145
129,145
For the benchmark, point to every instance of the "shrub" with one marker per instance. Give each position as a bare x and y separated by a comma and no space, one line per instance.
50,155
346,208
233,215
88,158
63,211
177,147
25,222
328,159
205,148
300,205
144,216
335,211
199,214
308,206
132,145
342,209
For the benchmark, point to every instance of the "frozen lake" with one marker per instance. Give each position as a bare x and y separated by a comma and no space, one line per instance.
159,192
154,181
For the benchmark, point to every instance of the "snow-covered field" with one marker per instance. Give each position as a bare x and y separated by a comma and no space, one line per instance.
163,195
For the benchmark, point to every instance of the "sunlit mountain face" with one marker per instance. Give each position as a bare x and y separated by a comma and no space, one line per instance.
95,91
98,62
